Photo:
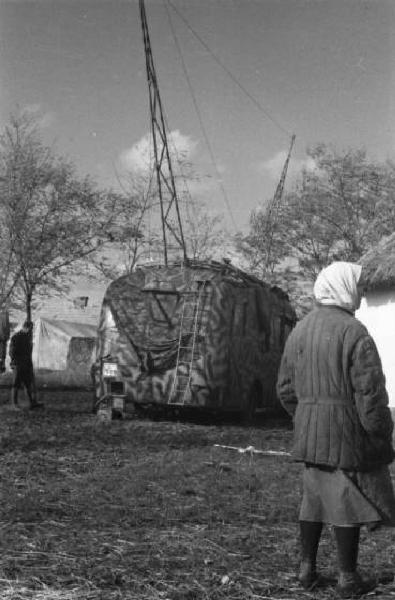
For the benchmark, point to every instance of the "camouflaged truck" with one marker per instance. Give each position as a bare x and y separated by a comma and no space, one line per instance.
202,335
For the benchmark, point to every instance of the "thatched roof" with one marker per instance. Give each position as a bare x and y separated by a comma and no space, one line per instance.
378,265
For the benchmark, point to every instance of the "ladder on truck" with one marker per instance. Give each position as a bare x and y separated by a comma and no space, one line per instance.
191,316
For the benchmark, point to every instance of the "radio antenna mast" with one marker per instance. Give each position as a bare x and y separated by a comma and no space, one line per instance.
273,207
168,199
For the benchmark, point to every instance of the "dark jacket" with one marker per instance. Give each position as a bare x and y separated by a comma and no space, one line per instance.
331,381
21,348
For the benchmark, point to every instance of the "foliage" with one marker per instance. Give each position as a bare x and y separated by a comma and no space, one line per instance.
51,218
337,211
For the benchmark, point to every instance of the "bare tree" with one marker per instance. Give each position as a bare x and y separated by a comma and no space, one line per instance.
52,219
204,232
337,211
137,228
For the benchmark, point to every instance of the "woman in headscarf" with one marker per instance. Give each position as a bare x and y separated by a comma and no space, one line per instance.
331,382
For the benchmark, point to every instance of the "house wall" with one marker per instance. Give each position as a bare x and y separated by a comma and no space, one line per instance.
377,313
65,307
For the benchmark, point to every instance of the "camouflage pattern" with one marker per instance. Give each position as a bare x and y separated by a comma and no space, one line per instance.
202,334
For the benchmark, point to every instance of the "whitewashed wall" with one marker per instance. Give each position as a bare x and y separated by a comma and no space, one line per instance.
377,313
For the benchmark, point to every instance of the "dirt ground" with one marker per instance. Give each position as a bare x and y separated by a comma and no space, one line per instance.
153,509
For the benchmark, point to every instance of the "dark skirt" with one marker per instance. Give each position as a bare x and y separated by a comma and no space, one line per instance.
348,498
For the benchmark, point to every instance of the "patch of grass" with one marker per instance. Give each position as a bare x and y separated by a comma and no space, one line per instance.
145,510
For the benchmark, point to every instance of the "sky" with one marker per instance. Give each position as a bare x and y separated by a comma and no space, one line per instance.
259,71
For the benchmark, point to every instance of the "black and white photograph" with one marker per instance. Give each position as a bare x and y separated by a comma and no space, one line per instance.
197,299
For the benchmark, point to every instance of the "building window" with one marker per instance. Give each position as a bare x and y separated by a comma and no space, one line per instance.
81,301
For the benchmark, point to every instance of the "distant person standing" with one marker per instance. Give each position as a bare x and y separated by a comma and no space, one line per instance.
4,336
331,382
21,347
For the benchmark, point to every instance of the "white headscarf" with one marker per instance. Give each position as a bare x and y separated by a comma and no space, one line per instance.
337,285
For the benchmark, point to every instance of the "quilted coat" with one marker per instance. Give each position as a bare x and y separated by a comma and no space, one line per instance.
331,382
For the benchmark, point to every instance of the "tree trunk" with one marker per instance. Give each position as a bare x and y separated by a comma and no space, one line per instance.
29,307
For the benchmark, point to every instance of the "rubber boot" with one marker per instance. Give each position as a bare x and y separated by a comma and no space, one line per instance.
350,583
310,534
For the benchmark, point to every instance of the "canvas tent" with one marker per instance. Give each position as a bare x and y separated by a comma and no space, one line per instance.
377,311
63,352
